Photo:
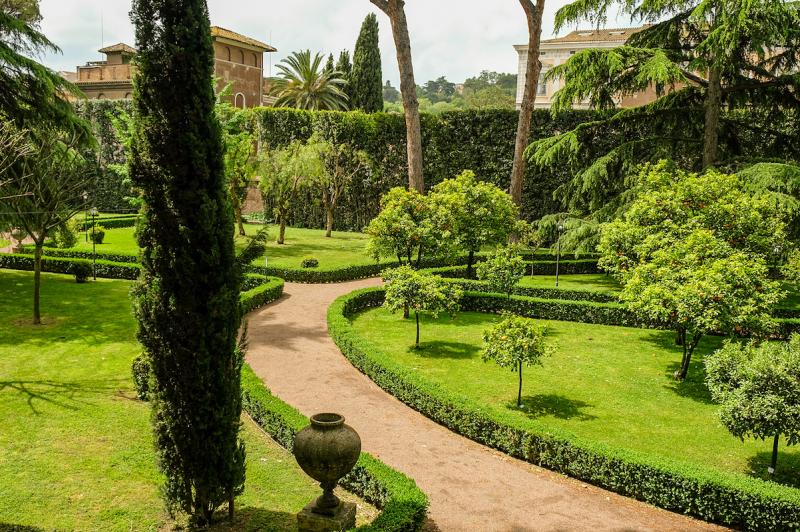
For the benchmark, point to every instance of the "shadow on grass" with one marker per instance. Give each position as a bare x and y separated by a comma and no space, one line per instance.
261,519
694,386
440,349
787,470
557,406
67,395
6,527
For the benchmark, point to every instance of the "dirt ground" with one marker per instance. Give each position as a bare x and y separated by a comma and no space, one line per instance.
471,487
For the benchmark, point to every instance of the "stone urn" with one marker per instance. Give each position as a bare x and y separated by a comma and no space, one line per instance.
327,450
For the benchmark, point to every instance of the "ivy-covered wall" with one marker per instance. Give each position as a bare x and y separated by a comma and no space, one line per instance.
482,141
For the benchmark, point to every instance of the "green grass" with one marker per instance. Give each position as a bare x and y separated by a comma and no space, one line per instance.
342,249
607,384
76,446
588,282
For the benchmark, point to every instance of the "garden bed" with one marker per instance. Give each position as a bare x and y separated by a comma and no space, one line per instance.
604,410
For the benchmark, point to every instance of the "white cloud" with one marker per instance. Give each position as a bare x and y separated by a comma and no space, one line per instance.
454,38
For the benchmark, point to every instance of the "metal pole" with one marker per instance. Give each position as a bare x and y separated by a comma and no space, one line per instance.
94,249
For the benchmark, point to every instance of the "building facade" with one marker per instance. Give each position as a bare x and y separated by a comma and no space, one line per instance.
554,52
238,61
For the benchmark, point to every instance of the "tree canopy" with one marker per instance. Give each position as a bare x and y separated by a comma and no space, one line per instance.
365,89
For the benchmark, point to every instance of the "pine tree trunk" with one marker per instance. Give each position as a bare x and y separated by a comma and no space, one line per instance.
713,111
395,9
37,283
533,15
329,222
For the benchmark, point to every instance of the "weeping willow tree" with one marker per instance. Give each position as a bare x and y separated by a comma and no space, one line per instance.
725,73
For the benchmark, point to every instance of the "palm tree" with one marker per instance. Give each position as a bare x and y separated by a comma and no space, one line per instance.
305,84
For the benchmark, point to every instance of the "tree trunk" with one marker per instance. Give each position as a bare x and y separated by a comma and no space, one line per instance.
282,232
37,282
774,454
417,315
329,222
688,350
519,393
237,211
533,15
713,110
470,261
395,9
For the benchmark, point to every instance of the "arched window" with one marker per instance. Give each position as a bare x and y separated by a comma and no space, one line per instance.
227,53
239,100
128,95
101,96
241,56
255,60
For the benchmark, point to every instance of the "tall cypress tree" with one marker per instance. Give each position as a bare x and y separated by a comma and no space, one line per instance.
345,68
330,66
187,299
366,81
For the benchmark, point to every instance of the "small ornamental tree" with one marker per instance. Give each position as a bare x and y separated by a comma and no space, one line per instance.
407,288
482,214
409,227
515,342
691,253
341,163
240,152
283,173
758,387
502,270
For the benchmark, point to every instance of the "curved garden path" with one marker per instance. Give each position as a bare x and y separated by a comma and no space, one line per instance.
471,487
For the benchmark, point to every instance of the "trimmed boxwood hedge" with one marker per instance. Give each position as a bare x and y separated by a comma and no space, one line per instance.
77,254
403,505
103,268
117,222
726,498
268,290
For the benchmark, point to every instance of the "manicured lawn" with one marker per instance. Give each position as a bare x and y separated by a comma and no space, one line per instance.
342,249
76,446
588,282
607,384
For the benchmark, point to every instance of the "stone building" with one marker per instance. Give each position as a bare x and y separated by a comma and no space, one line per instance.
238,60
555,52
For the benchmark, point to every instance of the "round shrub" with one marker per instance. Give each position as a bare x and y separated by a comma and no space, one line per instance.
81,271
141,377
98,234
309,262
66,235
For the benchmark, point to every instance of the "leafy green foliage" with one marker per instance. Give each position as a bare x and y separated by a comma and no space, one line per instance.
758,387
480,214
97,234
390,94
305,84
515,342
691,252
711,62
188,316
410,226
502,270
792,268
284,172
409,289
364,85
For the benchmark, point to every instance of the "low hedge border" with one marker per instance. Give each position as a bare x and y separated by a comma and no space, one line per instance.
110,223
403,505
75,254
103,268
726,498
541,267
269,290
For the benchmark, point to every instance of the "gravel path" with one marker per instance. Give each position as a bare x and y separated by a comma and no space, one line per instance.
471,487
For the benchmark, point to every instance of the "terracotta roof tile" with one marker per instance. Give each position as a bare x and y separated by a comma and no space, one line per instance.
120,47
619,35
216,31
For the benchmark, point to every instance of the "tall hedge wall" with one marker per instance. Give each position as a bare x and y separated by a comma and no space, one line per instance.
482,141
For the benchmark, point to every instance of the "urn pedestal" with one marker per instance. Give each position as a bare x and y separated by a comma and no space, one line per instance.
327,450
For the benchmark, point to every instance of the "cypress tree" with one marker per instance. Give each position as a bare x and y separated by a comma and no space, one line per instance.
366,81
345,68
330,66
187,299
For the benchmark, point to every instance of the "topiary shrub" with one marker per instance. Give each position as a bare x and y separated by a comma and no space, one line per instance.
98,234
141,377
66,235
81,271
309,262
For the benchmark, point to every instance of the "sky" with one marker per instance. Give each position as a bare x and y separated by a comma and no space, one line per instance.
452,38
